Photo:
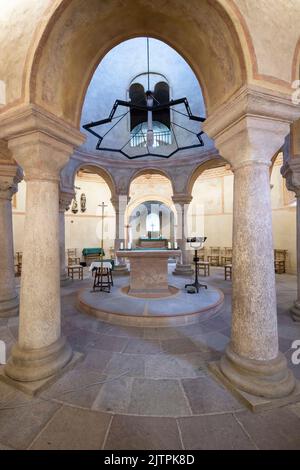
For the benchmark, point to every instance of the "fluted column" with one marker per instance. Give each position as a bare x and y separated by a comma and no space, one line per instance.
10,176
65,199
252,361
182,202
41,351
291,172
120,201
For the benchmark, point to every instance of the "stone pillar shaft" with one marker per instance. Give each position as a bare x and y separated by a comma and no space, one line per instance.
120,202
40,351
184,267
65,199
9,301
291,172
252,362
40,289
254,316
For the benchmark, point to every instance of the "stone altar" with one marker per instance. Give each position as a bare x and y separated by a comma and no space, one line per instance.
149,272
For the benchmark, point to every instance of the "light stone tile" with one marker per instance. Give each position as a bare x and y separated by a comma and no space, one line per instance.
183,366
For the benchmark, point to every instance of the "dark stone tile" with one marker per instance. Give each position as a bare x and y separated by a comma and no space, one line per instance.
215,432
207,396
143,433
109,343
23,419
131,364
95,359
77,387
158,398
74,429
143,346
278,429
179,346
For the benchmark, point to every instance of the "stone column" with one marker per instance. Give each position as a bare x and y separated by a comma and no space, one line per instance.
291,172
252,361
183,267
10,176
120,201
65,199
41,351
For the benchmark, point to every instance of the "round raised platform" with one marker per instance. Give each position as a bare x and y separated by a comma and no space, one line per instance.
179,309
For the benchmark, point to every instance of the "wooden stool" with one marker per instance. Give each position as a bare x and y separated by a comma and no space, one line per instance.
102,279
228,272
74,270
204,265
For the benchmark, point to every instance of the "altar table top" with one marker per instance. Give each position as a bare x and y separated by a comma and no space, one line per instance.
98,264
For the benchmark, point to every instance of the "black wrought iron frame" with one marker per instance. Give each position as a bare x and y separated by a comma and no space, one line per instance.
156,107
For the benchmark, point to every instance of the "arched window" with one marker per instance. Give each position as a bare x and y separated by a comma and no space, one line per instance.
161,118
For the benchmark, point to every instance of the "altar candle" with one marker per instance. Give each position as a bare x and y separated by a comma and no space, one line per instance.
121,246
175,245
129,246
169,245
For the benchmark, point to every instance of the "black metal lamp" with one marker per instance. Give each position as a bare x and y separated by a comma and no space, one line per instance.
196,243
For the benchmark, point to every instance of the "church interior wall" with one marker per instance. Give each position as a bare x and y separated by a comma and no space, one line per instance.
210,211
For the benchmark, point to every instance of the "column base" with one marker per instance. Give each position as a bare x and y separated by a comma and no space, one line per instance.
65,280
120,270
30,365
183,270
295,311
254,403
268,379
9,308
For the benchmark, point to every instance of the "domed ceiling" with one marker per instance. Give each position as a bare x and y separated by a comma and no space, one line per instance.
123,75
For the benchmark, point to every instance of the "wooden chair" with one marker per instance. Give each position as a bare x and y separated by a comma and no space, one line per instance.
214,257
73,259
280,257
201,254
205,267
228,272
102,279
227,256
75,270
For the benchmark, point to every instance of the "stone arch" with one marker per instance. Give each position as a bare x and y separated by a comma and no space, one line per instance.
198,170
151,171
134,204
58,74
296,63
99,170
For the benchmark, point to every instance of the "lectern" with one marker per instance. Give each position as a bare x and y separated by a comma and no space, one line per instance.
196,243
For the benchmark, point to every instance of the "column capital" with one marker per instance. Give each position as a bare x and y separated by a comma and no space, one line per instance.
10,176
291,172
120,201
65,199
252,126
41,156
182,199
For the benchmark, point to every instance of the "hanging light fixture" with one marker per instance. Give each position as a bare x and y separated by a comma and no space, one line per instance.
150,105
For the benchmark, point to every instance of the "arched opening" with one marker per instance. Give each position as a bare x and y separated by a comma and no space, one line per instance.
182,26
83,220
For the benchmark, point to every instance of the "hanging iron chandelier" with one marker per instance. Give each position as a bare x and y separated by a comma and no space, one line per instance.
143,135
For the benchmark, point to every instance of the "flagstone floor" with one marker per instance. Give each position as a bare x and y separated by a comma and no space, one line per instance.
147,388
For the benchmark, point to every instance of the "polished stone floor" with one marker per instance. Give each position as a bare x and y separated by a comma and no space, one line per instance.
147,388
